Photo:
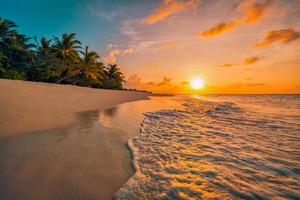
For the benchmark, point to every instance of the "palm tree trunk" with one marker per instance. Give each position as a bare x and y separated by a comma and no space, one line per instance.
69,76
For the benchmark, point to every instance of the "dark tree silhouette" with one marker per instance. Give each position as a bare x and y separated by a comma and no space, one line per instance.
58,60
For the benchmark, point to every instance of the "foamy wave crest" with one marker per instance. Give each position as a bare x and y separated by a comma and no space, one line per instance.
212,150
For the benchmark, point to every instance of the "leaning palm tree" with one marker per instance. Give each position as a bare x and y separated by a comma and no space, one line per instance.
89,57
10,38
66,48
7,28
113,77
20,41
16,48
114,72
89,67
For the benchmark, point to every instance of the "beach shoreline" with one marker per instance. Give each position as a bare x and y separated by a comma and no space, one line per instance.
27,107
84,157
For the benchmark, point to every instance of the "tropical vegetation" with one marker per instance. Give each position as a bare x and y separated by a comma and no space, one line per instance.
61,60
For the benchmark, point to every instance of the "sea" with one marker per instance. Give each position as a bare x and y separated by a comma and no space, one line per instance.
218,147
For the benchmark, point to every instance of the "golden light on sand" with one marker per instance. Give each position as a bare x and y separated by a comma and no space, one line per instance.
197,83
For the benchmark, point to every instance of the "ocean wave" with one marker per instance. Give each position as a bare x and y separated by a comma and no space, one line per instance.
213,150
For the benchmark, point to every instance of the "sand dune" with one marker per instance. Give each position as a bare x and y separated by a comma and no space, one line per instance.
27,107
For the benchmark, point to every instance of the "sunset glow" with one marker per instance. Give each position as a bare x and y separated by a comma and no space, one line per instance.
239,46
197,83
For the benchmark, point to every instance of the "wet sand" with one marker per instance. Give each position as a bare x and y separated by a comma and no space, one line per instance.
82,161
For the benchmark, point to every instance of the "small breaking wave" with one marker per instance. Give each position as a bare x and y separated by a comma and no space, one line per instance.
213,150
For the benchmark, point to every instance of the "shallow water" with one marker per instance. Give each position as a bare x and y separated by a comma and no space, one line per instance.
87,160
221,146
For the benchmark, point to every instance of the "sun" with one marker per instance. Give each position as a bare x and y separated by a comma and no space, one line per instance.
197,83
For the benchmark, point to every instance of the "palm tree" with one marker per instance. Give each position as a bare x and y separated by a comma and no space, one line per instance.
45,43
10,37
89,57
44,46
21,42
113,77
46,66
7,28
66,48
16,49
3,59
53,60
89,67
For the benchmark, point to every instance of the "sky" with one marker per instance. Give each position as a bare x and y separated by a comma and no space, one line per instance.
235,46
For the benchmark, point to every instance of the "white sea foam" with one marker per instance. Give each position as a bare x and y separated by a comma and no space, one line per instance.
215,150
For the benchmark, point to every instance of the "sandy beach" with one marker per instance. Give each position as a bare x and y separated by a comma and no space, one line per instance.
27,107
67,142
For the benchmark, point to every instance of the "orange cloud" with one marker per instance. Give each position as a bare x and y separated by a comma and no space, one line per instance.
165,81
165,86
228,65
251,60
133,81
114,52
281,36
127,51
111,46
246,61
184,83
218,29
111,58
252,12
168,8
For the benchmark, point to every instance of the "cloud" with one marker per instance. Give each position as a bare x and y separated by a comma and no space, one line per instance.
111,58
184,83
127,51
228,65
218,29
252,11
281,36
164,86
246,61
111,46
250,60
133,81
114,52
165,81
168,8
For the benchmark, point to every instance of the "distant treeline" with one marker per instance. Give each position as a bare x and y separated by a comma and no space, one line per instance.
56,60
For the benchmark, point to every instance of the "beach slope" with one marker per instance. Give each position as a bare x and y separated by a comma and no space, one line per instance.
27,107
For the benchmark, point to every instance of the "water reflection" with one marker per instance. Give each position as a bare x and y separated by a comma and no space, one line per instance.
86,120
110,112
106,116
87,160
